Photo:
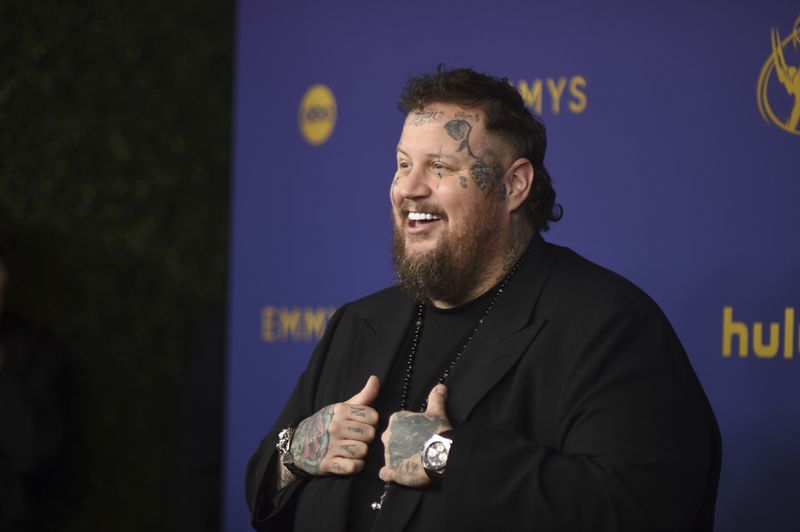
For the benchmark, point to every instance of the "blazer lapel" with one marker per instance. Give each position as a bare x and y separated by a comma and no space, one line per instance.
387,327
503,338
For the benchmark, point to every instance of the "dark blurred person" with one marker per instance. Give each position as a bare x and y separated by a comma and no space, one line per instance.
195,459
31,416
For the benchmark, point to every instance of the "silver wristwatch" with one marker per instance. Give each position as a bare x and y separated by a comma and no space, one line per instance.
435,452
284,448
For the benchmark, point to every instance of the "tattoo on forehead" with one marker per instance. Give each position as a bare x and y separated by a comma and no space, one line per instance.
423,116
468,116
459,130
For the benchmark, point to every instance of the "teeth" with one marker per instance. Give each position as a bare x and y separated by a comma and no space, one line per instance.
422,216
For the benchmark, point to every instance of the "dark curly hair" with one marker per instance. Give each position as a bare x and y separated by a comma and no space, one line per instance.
506,118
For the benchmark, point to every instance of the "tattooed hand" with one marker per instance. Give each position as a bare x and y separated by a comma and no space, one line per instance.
335,439
406,434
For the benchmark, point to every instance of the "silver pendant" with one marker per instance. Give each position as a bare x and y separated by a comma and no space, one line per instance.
377,505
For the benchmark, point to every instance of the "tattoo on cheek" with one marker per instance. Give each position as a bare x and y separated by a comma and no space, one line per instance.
396,179
462,181
407,434
484,174
503,191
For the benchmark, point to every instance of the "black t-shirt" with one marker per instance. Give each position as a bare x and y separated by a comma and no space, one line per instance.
442,336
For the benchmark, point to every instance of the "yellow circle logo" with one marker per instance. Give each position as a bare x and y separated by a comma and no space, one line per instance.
317,114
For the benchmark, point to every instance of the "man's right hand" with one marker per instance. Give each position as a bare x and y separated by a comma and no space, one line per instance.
335,439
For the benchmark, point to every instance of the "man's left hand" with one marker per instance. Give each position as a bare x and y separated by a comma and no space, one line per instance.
404,437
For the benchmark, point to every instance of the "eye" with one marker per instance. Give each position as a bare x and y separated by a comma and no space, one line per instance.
439,166
404,165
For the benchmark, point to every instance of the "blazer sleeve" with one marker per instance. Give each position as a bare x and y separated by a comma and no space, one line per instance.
634,446
266,512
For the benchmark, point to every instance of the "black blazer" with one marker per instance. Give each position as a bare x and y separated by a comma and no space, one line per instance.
575,408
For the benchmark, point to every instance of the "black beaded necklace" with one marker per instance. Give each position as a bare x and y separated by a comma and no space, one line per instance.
377,505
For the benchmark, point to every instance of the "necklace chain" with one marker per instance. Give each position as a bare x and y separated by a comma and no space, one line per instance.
419,322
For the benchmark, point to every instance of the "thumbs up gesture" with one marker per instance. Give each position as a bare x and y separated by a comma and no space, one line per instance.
335,439
406,434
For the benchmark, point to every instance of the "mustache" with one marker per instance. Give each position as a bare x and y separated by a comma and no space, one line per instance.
422,206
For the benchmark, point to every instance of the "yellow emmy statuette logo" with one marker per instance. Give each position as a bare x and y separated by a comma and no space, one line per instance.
788,75
317,114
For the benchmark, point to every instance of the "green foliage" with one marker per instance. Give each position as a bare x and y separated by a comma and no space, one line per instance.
114,173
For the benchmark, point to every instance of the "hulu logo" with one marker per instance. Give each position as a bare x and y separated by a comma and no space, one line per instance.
765,344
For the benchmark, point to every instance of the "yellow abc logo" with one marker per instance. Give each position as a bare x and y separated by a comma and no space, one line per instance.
317,114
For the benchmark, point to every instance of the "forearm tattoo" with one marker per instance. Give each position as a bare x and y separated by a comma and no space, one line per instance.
407,433
310,442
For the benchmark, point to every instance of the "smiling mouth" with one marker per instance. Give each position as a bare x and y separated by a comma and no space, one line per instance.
422,217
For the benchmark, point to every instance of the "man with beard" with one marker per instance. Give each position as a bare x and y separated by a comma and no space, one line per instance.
506,383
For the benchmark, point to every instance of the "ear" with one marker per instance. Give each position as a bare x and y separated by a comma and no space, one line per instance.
519,180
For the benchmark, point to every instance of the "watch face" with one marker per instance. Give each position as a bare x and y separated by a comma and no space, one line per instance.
435,456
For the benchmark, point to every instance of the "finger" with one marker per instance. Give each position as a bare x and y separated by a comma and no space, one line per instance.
368,393
343,466
355,430
351,449
436,401
348,429
359,413
386,474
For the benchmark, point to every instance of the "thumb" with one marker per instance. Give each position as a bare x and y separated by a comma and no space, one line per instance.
368,393
436,400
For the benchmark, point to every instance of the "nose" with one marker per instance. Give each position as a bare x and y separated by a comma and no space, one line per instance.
413,185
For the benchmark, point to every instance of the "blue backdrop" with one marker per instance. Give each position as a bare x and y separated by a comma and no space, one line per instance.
673,147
